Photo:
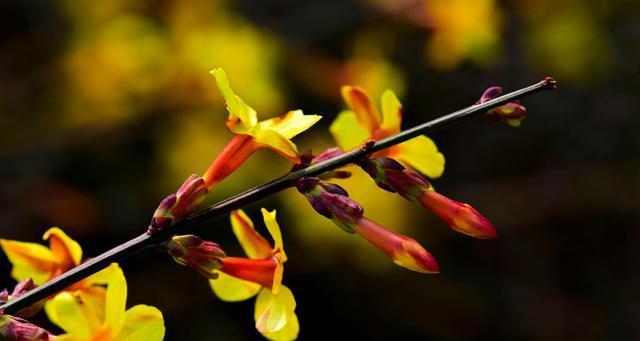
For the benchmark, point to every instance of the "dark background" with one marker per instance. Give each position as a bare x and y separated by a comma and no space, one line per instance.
105,107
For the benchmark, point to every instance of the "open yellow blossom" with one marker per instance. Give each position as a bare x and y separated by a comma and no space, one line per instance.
84,321
250,134
364,122
242,278
35,261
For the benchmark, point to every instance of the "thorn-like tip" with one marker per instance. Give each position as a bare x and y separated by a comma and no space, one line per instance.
550,83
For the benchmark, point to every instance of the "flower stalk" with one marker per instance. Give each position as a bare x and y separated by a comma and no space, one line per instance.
198,219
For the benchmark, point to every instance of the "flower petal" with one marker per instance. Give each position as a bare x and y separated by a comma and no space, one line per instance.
92,298
253,244
29,260
72,317
231,289
242,118
273,312
391,112
101,277
290,124
116,300
274,229
365,110
142,322
67,251
289,332
280,144
422,154
348,132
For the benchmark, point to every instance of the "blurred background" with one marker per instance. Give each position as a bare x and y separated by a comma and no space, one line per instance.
107,106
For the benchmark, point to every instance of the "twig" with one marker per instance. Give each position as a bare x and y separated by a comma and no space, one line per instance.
224,207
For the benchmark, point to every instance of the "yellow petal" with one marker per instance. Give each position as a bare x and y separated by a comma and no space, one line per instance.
116,300
277,277
253,244
289,332
29,260
280,144
92,298
142,323
101,277
422,154
274,229
391,112
67,251
348,132
231,289
72,317
67,337
95,298
366,112
290,124
273,312
50,310
239,111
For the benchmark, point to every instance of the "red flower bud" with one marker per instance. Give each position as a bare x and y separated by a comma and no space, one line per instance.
19,290
391,176
404,251
201,255
461,217
17,329
511,113
331,201
177,206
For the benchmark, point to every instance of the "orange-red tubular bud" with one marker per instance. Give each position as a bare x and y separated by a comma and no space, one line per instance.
234,154
392,176
404,251
461,217
261,271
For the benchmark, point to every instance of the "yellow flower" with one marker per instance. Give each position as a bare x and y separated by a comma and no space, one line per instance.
365,122
35,261
463,29
242,278
83,320
250,135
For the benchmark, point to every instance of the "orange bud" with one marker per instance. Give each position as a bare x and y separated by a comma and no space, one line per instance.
461,217
404,251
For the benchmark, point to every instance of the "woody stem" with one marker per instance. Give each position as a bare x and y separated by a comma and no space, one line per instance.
198,219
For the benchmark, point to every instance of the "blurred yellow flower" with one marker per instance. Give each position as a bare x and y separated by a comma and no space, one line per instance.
463,29
85,321
242,278
573,44
364,122
113,73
